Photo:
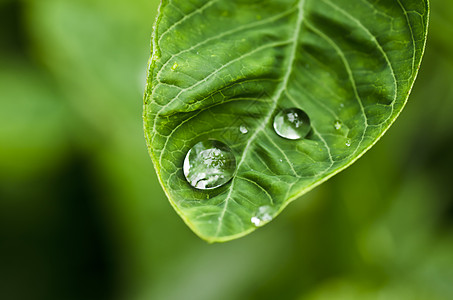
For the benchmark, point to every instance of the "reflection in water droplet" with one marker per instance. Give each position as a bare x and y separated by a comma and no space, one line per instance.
337,125
243,129
209,164
175,66
348,143
263,216
292,124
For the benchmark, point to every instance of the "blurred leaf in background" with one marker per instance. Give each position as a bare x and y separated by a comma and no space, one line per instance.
82,215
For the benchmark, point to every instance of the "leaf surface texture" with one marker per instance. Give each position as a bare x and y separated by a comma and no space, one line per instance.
220,66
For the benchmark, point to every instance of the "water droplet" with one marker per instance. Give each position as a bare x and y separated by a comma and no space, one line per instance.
209,164
243,129
175,66
263,216
337,125
281,160
348,143
342,105
292,124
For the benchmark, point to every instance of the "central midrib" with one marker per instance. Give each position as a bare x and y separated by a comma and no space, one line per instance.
277,96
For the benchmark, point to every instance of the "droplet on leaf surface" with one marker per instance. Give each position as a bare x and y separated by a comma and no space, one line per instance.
292,124
243,129
209,164
262,216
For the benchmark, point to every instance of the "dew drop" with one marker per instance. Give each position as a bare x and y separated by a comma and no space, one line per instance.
292,124
175,66
209,164
243,129
263,216
337,124
348,143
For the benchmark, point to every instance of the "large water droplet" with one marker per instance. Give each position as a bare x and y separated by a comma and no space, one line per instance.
337,124
209,164
263,216
348,143
292,124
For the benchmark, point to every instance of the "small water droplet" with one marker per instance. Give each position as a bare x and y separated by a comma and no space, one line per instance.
342,105
337,124
263,216
209,164
348,143
243,129
175,66
281,160
292,124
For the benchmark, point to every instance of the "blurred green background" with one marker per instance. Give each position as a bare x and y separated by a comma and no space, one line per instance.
82,215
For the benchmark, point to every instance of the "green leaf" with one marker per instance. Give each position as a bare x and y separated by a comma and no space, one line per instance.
221,66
